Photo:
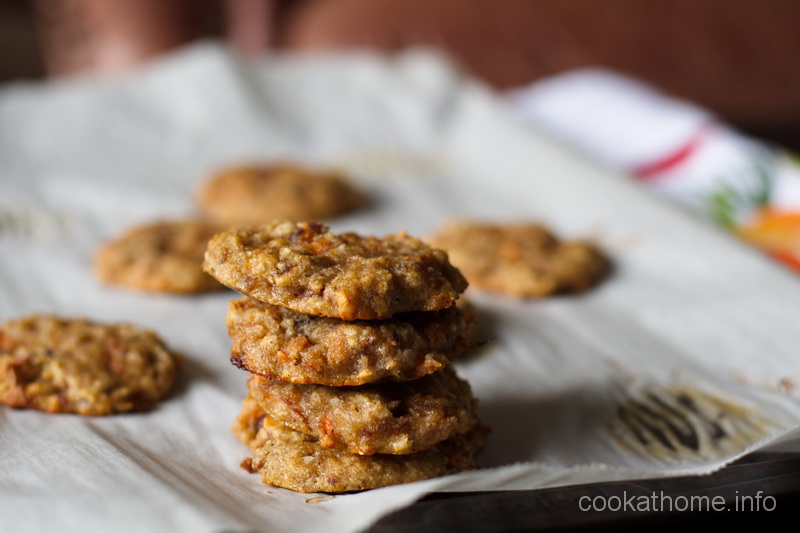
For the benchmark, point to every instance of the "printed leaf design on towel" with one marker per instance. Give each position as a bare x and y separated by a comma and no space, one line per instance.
737,196
746,205
777,232
677,424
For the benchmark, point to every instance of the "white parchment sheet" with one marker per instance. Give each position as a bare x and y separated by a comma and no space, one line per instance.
684,359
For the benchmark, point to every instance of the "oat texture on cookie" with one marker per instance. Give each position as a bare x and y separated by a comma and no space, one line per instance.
73,365
347,341
521,259
387,418
335,352
309,269
287,458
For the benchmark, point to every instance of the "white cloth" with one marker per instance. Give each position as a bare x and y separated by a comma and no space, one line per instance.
686,307
673,147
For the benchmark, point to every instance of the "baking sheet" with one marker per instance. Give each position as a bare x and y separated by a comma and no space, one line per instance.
569,385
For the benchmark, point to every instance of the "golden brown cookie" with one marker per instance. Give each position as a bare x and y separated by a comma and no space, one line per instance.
285,345
520,259
290,459
77,366
165,256
393,418
307,268
253,195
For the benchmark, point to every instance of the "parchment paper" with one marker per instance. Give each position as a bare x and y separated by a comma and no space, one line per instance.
691,322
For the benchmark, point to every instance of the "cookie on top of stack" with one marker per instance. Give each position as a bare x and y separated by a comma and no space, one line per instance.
347,340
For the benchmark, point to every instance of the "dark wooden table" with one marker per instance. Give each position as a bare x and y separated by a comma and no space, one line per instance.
763,482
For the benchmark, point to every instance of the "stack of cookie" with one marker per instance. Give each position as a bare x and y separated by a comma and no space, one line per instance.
348,341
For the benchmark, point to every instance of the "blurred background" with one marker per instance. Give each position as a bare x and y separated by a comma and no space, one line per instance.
732,57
